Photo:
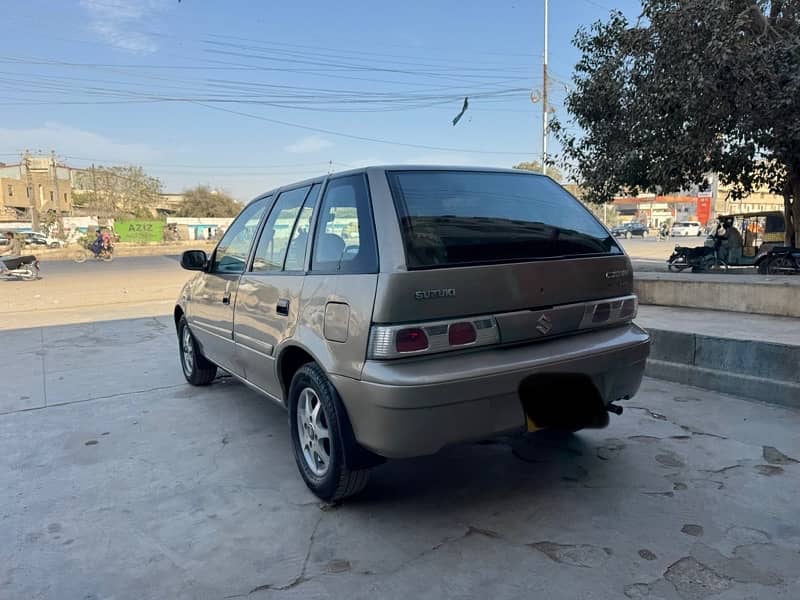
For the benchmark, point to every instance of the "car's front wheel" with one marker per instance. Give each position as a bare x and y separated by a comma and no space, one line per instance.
628,235
197,369
321,437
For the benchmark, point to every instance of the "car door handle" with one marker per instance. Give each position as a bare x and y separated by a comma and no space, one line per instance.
283,307
226,298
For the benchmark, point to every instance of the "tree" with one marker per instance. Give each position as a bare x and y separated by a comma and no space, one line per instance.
692,87
537,167
118,191
202,201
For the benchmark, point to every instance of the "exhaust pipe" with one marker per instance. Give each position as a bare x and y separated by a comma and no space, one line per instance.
613,408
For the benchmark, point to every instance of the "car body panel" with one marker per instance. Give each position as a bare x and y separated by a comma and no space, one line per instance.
518,286
416,407
357,292
211,318
258,326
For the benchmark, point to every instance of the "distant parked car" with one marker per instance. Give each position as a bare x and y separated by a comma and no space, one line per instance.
40,239
687,228
628,230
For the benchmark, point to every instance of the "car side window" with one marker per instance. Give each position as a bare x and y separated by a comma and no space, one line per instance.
296,255
232,250
345,236
274,240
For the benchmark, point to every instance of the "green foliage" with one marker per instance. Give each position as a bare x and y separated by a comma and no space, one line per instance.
691,88
202,201
536,166
118,191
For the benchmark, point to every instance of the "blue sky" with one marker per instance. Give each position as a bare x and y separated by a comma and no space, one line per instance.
249,95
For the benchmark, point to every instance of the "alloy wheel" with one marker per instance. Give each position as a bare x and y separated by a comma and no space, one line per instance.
187,350
313,432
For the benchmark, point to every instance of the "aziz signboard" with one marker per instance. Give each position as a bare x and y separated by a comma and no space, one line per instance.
140,231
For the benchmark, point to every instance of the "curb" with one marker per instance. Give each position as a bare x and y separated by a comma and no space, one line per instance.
762,371
775,296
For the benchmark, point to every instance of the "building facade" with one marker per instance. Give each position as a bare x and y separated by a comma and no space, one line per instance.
35,183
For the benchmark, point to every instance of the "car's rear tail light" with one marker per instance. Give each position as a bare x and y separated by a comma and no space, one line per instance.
630,307
601,312
462,333
410,340
396,341
609,312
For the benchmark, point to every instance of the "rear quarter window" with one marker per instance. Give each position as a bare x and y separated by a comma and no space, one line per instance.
452,218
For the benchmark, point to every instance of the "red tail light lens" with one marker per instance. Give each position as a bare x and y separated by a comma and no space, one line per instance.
628,310
601,313
411,340
461,333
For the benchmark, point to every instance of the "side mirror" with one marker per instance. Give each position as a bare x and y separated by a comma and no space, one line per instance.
194,260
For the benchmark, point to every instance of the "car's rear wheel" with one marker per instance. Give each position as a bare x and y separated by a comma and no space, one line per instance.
322,440
197,369
644,234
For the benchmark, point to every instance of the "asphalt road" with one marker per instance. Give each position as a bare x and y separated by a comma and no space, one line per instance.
141,286
69,292
121,481
125,264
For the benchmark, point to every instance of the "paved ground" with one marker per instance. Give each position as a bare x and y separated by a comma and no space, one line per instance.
120,481
93,291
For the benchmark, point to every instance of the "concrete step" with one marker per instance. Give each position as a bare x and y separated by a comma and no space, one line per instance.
749,293
753,356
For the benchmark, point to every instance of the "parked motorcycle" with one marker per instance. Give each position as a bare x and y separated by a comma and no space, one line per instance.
781,260
701,258
25,268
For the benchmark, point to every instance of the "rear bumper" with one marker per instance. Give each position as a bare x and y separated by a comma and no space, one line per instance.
416,407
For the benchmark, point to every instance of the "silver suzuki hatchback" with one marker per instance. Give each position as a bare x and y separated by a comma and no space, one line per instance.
397,310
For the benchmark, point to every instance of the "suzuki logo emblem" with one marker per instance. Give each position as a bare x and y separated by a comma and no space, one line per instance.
544,325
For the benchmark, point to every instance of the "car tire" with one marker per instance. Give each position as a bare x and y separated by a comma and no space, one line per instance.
628,235
322,439
197,369
644,234
53,245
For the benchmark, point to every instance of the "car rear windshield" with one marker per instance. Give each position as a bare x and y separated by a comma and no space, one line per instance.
456,218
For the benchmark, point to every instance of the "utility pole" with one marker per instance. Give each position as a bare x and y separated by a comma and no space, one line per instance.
31,193
94,188
54,165
544,95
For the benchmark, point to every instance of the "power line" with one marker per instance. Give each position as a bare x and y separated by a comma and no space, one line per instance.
355,137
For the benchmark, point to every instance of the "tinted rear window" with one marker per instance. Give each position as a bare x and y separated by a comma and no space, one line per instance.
451,218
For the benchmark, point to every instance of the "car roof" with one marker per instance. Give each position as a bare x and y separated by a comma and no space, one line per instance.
394,167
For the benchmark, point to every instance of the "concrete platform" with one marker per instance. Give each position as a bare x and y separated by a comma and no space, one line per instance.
753,356
119,480
752,294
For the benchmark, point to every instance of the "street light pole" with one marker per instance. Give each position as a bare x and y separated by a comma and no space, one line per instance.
31,194
544,94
